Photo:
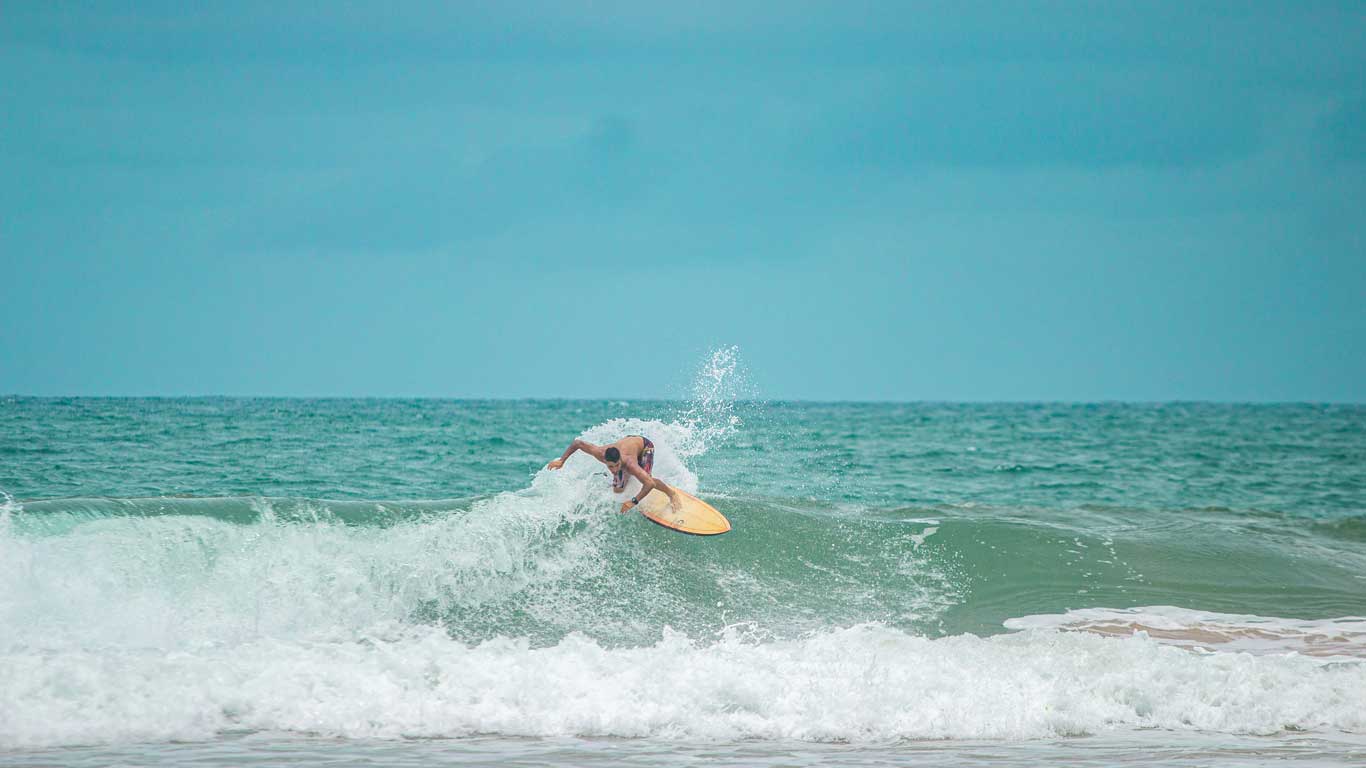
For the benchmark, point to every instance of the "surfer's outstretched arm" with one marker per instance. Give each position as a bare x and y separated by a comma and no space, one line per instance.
578,445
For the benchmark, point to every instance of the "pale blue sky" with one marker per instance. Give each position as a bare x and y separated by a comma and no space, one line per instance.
888,201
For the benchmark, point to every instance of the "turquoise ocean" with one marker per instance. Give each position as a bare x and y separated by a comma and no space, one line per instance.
270,581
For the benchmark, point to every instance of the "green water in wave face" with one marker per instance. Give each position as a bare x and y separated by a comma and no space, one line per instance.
935,518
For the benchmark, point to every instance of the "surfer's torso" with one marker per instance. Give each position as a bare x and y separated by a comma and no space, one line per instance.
633,445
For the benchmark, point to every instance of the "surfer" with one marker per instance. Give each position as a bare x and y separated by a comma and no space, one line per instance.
633,455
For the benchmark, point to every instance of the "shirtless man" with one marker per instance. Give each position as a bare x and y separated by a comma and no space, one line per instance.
632,454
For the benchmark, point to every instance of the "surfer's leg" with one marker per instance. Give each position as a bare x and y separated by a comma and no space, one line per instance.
647,455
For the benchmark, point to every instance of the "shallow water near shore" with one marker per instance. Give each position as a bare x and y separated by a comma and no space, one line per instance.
1169,749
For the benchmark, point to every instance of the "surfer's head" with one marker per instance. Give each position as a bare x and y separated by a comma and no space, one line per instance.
612,455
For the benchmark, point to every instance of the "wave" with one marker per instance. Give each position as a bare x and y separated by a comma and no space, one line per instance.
178,577
863,683
129,620
541,612
555,558
1348,528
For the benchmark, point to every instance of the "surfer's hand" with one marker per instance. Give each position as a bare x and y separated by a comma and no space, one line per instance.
556,464
626,506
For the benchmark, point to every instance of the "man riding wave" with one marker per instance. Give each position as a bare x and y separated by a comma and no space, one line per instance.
633,455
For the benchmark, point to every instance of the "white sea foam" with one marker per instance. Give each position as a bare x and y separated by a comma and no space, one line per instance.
919,538
178,581
8,506
861,683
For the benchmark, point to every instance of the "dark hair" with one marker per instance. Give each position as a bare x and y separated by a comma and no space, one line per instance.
612,454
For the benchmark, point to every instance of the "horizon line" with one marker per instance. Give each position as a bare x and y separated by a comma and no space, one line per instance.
807,401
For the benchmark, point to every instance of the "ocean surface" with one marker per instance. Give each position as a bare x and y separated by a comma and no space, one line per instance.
275,581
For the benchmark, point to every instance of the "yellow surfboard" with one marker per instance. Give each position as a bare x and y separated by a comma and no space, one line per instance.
694,515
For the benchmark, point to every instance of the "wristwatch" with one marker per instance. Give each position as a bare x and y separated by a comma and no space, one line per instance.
634,500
